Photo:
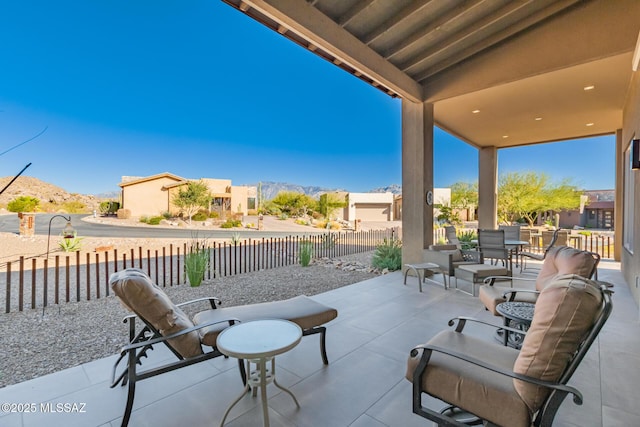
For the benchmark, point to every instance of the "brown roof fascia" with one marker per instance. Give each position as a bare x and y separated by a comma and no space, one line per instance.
151,178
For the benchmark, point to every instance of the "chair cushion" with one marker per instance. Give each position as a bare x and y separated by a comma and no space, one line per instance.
485,393
564,260
301,310
139,294
484,270
491,296
564,313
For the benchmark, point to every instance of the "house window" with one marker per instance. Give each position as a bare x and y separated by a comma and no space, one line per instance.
629,201
251,202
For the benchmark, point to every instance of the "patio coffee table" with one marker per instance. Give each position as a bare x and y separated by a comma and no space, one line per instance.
258,342
425,266
517,315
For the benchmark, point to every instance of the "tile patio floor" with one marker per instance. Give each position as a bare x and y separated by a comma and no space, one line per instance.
379,321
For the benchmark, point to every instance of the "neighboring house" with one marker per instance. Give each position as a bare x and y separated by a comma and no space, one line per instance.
596,211
153,195
365,206
441,196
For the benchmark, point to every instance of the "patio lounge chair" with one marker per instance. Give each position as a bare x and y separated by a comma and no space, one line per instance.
482,381
193,341
559,260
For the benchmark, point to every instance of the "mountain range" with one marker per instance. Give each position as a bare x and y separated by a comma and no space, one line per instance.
271,189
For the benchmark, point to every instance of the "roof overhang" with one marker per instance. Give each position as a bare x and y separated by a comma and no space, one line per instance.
513,61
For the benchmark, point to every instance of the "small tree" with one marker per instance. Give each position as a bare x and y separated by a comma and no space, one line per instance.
293,203
23,204
192,198
525,195
464,195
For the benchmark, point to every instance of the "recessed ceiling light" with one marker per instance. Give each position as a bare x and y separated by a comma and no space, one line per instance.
590,124
590,87
538,119
475,111
505,136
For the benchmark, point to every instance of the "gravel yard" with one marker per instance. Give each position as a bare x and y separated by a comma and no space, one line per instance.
33,344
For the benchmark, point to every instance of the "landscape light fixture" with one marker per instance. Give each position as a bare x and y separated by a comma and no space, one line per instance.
67,232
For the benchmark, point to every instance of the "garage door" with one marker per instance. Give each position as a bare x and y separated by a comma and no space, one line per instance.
373,212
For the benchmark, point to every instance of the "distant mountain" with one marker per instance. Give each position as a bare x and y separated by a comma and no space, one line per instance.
271,189
112,195
393,188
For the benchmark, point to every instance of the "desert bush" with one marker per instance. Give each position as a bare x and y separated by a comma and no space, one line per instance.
230,223
23,204
305,252
155,220
196,260
214,214
109,207
73,207
388,255
199,216
466,238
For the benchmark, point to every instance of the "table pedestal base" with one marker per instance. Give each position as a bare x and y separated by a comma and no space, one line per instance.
260,378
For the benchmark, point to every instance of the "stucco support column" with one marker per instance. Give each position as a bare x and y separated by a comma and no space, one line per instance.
618,205
488,188
417,179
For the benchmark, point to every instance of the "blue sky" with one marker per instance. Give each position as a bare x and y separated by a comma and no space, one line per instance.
198,89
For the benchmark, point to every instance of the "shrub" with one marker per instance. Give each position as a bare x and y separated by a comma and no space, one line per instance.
199,216
23,204
144,219
305,252
230,223
74,206
388,255
155,220
196,261
466,238
109,207
214,214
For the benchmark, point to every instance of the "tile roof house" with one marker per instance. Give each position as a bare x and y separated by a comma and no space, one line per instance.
153,195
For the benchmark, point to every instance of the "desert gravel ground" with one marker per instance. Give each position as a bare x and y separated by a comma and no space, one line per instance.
33,343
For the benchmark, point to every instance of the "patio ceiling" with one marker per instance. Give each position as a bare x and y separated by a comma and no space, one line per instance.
523,66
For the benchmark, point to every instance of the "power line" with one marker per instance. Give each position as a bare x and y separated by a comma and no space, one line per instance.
24,142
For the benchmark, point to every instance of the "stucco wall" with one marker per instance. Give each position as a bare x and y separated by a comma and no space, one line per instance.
631,129
147,197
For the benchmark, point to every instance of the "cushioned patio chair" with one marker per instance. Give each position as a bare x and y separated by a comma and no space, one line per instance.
481,381
560,260
449,257
548,243
192,341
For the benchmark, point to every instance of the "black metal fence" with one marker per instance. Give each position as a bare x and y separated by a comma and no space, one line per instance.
39,282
